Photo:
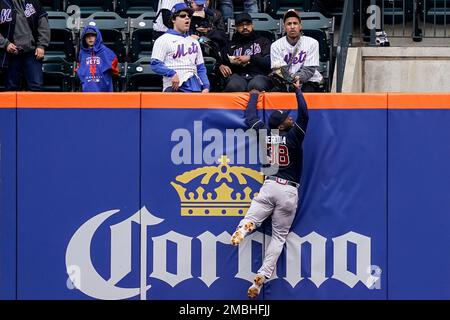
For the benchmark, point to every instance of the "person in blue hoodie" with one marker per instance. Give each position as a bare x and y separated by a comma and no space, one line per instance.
96,63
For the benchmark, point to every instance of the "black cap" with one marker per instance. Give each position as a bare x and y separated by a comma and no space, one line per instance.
277,118
90,31
291,13
242,17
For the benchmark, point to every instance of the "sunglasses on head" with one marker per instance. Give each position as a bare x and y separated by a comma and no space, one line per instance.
184,15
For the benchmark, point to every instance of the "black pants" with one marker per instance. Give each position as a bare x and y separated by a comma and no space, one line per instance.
237,83
306,87
26,65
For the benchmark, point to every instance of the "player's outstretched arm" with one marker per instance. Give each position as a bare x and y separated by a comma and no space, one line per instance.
302,115
251,117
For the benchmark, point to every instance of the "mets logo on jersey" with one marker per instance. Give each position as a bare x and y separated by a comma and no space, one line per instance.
300,58
255,48
181,52
29,10
5,16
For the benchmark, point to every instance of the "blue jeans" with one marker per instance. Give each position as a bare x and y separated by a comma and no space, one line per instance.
26,64
227,8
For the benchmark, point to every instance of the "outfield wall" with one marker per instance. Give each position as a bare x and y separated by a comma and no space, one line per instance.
119,193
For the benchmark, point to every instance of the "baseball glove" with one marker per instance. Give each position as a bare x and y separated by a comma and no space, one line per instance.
281,78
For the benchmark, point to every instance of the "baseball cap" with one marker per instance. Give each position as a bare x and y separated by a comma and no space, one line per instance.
199,2
291,13
181,7
240,18
90,31
277,117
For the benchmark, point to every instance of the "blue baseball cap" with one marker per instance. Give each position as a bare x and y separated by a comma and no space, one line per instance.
199,2
181,7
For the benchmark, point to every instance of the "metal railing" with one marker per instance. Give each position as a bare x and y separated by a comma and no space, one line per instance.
415,19
345,41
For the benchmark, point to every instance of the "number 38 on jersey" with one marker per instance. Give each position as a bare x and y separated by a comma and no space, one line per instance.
278,154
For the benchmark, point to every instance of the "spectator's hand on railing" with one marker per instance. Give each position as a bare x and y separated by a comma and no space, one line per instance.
175,82
205,91
225,70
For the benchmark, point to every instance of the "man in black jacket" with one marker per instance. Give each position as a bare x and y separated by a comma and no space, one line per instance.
246,59
24,36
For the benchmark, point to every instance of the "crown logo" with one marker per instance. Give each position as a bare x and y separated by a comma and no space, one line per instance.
225,200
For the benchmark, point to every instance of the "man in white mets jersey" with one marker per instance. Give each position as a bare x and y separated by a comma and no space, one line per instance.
178,57
299,52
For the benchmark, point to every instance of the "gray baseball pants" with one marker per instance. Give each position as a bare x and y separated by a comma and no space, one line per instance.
281,200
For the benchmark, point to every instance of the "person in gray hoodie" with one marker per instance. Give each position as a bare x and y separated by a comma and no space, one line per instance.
24,36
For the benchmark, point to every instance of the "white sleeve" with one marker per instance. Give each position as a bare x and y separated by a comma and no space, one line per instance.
312,57
159,49
168,4
276,56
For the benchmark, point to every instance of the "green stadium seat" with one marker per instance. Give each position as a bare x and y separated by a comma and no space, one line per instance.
61,38
141,36
140,77
52,5
437,11
135,8
278,7
58,74
88,7
263,23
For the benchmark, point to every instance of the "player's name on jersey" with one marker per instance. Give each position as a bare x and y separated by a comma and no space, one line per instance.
276,140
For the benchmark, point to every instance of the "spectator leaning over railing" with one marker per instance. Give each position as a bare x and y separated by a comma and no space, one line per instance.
178,57
24,36
246,59
295,57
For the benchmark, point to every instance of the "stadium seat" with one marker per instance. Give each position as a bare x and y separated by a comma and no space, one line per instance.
141,38
52,5
315,25
135,8
61,39
277,8
263,23
437,11
88,7
58,74
113,29
140,77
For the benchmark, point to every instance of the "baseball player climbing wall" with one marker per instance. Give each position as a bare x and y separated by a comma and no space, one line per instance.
135,196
